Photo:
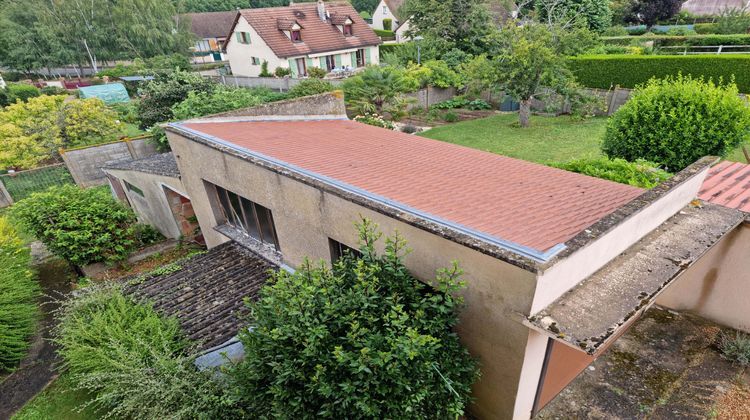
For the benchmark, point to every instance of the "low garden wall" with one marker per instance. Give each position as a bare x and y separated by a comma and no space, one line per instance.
280,84
85,163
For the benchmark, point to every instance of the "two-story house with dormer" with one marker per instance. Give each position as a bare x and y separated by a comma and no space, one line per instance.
331,36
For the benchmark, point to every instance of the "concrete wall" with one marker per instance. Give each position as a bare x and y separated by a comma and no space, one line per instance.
85,164
328,104
306,217
717,287
430,96
153,208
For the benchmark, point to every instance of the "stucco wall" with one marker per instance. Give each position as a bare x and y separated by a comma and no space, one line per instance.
717,287
379,15
239,55
153,208
306,217
85,163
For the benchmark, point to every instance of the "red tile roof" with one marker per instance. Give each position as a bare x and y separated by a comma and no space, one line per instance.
728,184
317,36
526,203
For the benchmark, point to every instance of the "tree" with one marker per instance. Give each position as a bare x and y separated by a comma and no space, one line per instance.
650,12
375,90
528,60
448,24
364,339
594,14
158,96
677,120
479,75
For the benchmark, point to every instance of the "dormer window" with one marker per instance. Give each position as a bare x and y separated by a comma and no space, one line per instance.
348,30
296,35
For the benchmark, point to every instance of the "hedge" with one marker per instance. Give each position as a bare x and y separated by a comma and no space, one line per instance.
627,71
673,41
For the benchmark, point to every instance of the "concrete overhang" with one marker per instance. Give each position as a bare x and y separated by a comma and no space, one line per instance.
595,312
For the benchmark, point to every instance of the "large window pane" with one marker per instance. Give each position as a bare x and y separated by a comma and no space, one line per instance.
252,221
267,230
225,207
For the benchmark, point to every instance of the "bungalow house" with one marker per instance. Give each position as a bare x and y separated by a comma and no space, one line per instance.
386,15
557,264
210,30
330,36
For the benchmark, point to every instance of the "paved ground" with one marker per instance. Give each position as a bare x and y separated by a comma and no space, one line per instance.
666,367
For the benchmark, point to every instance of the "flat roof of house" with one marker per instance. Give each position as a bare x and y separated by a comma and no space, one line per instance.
728,184
528,206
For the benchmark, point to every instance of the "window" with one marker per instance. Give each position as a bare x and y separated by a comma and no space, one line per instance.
243,37
385,10
338,250
348,30
255,61
330,62
133,188
361,58
296,36
252,218
301,67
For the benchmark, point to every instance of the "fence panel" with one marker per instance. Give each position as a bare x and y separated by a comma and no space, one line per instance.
22,184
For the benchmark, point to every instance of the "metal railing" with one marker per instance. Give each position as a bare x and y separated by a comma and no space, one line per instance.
704,49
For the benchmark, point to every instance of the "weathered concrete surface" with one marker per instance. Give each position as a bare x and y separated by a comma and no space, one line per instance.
85,164
665,367
592,312
331,103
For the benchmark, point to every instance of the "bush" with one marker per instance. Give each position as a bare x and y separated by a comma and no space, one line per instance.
384,34
410,129
454,103
705,28
5,98
679,41
680,31
628,71
640,174
158,96
54,90
316,73
735,347
309,87
450,117
616,30
264,70
282,72
374,120
479,105
127,112
362,340
19,291
135,363
80,226
22,92
733,21
676,121
221,99
388,24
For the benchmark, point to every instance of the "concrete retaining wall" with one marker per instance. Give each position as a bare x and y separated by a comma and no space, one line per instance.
323,104
85,164
280,84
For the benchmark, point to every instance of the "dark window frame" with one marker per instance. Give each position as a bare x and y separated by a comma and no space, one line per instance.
338,250
330,62
296,35
132,188
361,62
348,30
260,228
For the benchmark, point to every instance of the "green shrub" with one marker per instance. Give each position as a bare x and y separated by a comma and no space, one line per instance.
384,34
22,91
309,87
5,98
451,104
362,340
54,90
316,73
641,173
375,120
450,117
127,112
282,72
221,99
628,71
705,28
479,105
388,24
733,21
616,30
735,347
676,121
264,70
678,41
158,96
680,31
19,291
134,362
82,226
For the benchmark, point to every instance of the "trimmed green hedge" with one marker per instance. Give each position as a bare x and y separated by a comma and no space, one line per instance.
672,41
386,34
627,71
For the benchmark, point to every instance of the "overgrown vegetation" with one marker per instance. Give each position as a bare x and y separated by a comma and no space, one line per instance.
641,173
222,99
309,87
735,347
82,226
160,95
676,121
134,362
19,291
364,339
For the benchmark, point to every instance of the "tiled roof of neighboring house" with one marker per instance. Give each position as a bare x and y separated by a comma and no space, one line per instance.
395,6
525,203
211,24
161,164
728,184
712,7
206,294
318,36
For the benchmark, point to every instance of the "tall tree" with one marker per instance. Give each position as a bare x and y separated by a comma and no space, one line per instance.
650,12
448,24
594,14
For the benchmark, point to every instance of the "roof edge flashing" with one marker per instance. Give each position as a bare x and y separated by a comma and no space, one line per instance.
516,254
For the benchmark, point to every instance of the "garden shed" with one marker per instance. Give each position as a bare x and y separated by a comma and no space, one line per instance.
111,93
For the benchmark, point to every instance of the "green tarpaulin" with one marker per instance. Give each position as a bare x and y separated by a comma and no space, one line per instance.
111,93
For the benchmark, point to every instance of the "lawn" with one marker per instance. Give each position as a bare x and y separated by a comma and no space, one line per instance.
60,401
549,139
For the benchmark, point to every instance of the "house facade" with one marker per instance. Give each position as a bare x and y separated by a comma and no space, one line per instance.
553,260
210,30
331,36
387,10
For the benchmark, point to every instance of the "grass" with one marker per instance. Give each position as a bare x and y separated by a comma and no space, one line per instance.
132,130
549,139
60,401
